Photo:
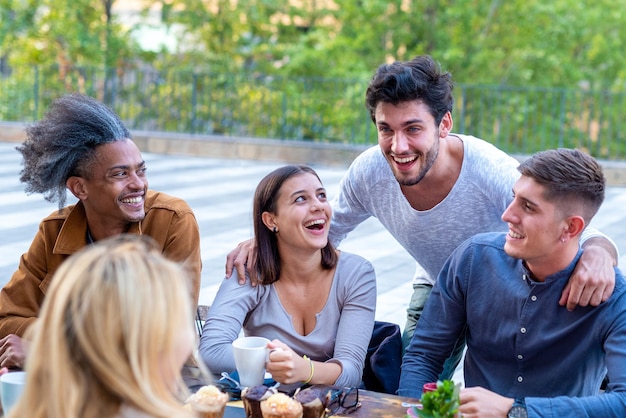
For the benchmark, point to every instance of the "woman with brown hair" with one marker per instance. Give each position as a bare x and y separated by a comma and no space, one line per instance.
314,302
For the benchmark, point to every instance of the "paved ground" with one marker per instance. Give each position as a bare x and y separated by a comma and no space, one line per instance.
220,192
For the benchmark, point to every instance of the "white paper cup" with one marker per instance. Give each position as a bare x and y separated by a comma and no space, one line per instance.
11,387
250,357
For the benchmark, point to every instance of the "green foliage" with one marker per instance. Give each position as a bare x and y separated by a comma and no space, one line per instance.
516,119
440,403
530,73
68,33
15,21
562,43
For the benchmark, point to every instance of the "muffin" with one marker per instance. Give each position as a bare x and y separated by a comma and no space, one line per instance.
252,398
280,405
208,402
313,402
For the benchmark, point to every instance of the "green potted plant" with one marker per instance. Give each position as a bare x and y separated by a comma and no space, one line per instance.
442,402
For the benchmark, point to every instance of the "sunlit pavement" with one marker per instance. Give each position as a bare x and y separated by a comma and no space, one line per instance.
220,193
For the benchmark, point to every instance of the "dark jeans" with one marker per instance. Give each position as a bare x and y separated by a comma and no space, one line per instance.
414,311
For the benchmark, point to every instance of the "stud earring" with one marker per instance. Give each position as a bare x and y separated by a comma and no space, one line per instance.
275,230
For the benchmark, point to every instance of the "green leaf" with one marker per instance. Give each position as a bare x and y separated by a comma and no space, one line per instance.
442,402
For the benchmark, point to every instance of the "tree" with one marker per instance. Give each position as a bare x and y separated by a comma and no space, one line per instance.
72,35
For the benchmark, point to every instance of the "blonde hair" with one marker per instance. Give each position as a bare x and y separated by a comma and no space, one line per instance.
107,325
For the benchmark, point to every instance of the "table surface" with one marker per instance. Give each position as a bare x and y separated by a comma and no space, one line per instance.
373,404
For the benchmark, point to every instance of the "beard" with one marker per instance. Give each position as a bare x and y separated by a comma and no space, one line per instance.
428,160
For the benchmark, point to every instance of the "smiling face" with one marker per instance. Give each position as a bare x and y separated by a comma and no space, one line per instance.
303,213
536,227
409,139
113,192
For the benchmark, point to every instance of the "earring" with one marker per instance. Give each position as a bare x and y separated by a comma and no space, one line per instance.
563,240
275,230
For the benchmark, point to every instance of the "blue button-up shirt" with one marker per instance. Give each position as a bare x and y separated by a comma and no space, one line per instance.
521,342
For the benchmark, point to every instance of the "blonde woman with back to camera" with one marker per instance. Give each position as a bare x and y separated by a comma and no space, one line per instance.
114,332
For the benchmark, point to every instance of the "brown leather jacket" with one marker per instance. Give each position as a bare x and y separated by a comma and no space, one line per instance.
169,220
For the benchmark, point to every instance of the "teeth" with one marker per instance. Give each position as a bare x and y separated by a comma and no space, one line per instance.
132,200
404,160
315,222
515,235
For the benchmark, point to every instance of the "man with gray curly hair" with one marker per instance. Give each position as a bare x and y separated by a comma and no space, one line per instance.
82,146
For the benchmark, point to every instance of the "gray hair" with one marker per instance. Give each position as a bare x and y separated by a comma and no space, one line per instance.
64,143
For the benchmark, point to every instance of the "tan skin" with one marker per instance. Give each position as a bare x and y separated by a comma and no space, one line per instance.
113,194
303,286
478,402
302,299
113,197
12,351
303,291
408,130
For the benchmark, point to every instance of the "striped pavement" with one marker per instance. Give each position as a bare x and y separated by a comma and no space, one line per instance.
220,193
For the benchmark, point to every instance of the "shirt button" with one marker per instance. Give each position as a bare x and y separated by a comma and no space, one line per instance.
520,379
519,356
523,330
533,298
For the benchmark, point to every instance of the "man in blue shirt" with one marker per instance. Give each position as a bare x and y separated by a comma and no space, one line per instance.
527,356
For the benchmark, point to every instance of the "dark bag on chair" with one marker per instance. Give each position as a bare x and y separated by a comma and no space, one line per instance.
384,358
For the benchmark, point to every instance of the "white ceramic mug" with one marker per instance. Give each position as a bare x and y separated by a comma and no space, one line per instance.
250,357
11,387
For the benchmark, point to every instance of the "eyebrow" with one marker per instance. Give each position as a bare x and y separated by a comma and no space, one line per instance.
304,191
407,123
526,200
126,167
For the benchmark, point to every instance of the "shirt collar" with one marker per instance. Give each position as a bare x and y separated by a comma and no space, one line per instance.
74,235
562,275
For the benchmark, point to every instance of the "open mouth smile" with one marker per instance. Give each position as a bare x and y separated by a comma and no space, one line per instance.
317,224
404,160
132,200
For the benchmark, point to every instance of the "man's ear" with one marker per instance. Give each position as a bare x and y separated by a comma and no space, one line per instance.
575,226
445,126
76,185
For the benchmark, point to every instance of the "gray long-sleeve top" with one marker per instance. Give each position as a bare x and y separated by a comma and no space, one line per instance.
341,334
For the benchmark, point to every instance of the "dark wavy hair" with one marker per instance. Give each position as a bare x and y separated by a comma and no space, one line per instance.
419,79
64,142
568,176
265,198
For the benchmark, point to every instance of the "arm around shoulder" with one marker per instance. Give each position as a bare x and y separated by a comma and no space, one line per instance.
591,237
348,207
593,280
